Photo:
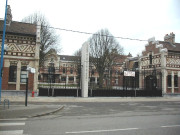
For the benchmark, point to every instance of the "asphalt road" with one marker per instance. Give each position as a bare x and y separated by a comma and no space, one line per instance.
126,118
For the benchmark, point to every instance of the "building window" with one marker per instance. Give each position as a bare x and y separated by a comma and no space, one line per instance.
136,65
63,78
52,60
150,59
169,81
71,71
64,70
12,73
71,79
116,72
116,81
92,72
23,74
175,81
92,79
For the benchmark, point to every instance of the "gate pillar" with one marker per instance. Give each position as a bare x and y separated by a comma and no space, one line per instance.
84,69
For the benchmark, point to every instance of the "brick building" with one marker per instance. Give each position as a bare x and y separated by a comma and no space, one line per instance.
162,57
65,71
22,42
59,70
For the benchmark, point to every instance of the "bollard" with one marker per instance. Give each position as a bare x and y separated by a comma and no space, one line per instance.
6,100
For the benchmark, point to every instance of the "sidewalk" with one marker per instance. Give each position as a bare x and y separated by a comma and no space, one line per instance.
90,99
17,108
22,111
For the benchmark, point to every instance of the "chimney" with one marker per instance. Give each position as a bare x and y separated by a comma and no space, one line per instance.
170,38
9,15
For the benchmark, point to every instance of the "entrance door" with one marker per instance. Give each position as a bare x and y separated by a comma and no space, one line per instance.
151,82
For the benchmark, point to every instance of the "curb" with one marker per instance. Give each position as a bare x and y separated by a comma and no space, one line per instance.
47,113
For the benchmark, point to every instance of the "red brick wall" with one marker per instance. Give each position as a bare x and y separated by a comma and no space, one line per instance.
120,81
12,87
169,90
30,81
176,90
23,87
149,48
5,78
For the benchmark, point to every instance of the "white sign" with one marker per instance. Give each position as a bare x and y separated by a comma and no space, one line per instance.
33,70
129,73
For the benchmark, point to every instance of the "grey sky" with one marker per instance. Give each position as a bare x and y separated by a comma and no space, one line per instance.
141,19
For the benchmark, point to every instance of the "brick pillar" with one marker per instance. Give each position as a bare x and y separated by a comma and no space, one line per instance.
30,81
5,74
5,78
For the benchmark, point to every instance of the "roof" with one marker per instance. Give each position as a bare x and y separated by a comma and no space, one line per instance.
171,47
69,58
120,58
19,28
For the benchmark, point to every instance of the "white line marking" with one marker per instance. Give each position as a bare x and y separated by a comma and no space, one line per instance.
13,132
98,131
12,124
171,126
16,119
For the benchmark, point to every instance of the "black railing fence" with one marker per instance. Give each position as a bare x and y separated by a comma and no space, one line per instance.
67,82
100,93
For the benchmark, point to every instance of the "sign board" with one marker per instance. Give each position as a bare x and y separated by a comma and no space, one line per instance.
129,73
33,70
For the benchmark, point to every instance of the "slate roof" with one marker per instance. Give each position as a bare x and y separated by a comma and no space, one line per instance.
19,28
171,47
69,58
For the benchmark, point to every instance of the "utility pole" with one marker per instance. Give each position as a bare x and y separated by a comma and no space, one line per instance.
2,49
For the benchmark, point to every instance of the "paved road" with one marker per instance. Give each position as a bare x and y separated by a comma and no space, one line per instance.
150,118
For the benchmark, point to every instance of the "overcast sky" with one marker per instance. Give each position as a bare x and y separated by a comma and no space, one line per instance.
140,19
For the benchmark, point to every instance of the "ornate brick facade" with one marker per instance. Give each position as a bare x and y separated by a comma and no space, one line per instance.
164,56
23,50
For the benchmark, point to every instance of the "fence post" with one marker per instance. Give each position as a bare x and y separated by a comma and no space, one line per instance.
77,93
6,100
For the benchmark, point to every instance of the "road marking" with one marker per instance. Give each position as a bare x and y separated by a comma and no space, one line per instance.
98,131
13,132
171,126
12,124
15,119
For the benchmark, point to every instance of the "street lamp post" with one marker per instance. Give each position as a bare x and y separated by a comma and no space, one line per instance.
2,49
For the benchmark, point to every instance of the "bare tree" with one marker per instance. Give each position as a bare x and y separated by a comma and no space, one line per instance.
49,39
77,62
104,50
77,52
